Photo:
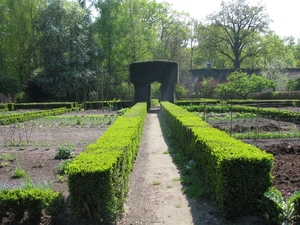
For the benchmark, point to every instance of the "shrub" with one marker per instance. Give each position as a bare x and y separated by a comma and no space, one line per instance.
104,168
32,201
277,210
65,151
18,172
236,173
63,165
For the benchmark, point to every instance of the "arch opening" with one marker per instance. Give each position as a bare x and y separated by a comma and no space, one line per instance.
142,74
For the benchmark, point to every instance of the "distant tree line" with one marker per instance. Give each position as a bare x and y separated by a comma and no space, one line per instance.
77,50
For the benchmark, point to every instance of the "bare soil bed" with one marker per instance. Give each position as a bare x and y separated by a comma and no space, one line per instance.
286,151
33,145
37,158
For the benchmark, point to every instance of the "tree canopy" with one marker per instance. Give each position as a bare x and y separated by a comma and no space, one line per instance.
242,84
56,47
64,49
235,30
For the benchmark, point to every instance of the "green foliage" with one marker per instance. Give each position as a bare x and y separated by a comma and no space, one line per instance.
233,32
19,172
9,85
232,169
104,168
65,151
7,157
207,108
285,115
65,50
155,90
6,119
32,201
122,111
242,84
28,183
276,71
63,165
18,38
180,91
44,105
293,85
280,211
207,87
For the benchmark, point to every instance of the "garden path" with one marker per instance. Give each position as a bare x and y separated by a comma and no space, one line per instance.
155,195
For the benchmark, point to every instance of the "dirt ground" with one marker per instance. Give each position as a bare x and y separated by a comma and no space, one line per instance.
155,195
34,147
286,151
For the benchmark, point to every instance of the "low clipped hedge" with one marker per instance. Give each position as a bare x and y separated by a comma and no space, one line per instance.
99,177
42,105
284,115
32,202
3,107
274,113
237,174
6,119
112,105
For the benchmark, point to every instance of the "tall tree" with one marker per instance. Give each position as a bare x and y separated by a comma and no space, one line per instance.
64,48
275,70
108,31
205,53
275,48
234,29
18,38
173,34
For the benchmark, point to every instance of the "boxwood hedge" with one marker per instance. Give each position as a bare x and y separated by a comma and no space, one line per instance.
237,174
99,176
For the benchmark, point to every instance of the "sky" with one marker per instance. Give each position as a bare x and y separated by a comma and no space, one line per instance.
285,14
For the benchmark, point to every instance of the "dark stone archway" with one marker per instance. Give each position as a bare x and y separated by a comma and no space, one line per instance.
142,74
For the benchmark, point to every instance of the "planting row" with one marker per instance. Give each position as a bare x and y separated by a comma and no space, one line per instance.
237,174
274,113
114,152
40,106
25,116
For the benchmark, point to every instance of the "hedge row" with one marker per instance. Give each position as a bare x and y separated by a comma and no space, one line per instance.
284,115
6,119
99,177
237,174
112,105
41,105
3,107
248,102
31,201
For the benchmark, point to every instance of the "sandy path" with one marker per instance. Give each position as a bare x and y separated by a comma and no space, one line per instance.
155,195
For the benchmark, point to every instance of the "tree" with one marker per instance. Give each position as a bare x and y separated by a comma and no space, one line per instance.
9,86
173,34
64,49
18,38
233,30
275,70
207,87
242,84
293,84
206,52
108,31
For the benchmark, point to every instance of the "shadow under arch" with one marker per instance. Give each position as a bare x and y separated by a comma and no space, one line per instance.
143,73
